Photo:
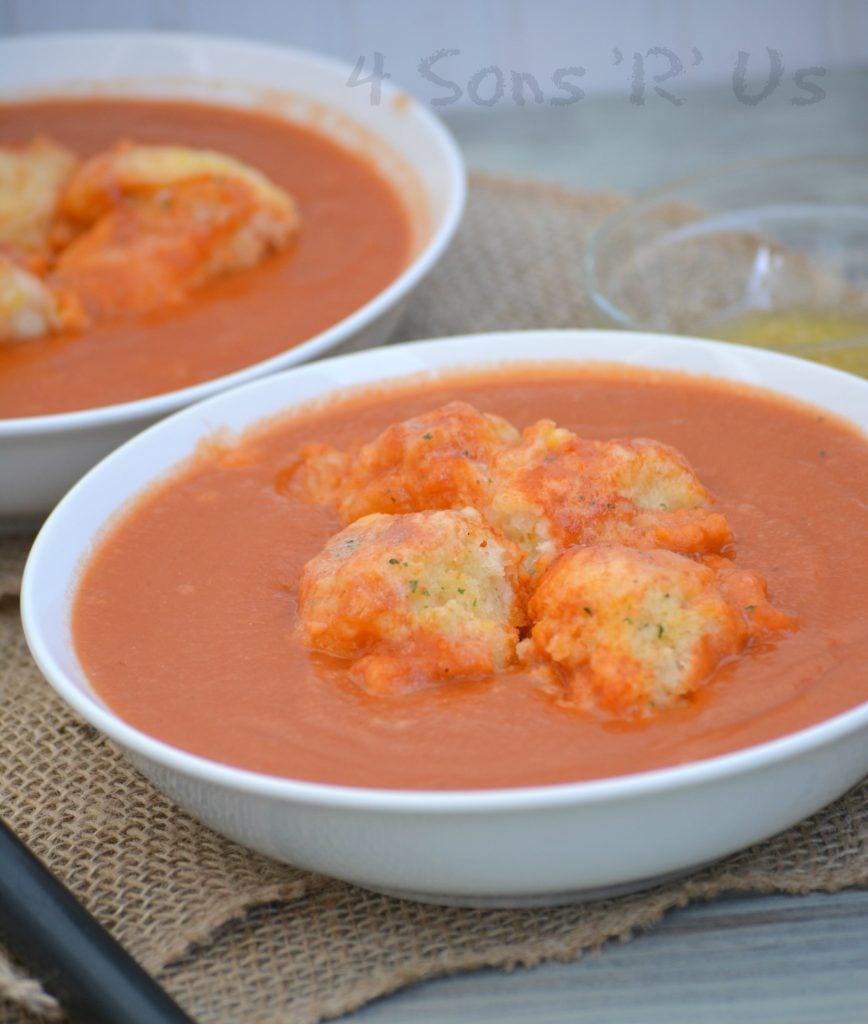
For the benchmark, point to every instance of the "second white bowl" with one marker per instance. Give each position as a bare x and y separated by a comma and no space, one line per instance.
42,456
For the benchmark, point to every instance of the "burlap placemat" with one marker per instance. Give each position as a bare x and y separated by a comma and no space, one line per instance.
238,938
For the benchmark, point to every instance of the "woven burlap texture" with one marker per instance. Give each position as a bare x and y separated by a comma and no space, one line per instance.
237,938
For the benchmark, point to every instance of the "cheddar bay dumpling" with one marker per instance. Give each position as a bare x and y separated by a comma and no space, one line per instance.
416,598
32,178
30,308
555,489
635,631
443,459
149,224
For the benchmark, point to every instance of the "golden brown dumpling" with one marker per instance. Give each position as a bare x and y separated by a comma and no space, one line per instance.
634,631
555,489
415,598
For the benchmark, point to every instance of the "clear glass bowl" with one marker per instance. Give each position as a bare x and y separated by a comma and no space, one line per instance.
772,254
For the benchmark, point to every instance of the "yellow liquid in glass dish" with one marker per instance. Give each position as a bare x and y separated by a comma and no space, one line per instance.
836,339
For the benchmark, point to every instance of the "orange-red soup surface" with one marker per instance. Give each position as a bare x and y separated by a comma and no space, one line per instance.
354,240
184,620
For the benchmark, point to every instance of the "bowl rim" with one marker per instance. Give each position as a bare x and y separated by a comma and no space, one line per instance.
379,304
647,198
370,799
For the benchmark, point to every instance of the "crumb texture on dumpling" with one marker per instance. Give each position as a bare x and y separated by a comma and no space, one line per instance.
415,598
29,308
630,630
610,555
442,459
635,631
32,178
555,490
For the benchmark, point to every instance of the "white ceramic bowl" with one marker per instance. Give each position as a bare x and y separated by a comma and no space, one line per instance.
550,843
43,455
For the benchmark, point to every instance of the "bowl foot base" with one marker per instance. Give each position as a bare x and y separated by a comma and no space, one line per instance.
545,899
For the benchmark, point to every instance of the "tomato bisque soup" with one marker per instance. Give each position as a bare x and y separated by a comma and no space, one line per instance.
186,617
351,240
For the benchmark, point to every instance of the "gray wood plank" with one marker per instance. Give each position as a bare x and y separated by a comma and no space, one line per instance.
774,959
